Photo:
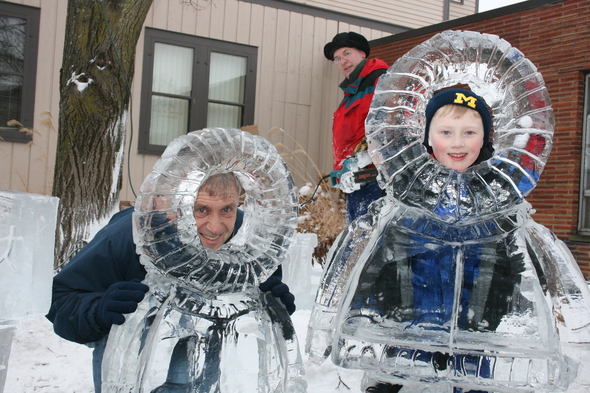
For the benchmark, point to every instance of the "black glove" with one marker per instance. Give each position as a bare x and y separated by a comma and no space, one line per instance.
384,388
120,298
279,289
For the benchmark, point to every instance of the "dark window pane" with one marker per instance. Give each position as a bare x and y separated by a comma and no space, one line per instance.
19,39
584,213
11,90
12,45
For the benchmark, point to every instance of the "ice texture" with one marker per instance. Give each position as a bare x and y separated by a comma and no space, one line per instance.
27,241
520,104
297,269
204,326
7,330
448,284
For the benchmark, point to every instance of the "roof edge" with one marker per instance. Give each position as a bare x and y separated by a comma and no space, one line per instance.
325,13
507,10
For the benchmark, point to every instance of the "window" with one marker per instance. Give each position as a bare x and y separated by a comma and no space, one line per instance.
190,83
584,214
19,37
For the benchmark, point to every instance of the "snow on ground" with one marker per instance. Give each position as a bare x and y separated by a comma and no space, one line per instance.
41,361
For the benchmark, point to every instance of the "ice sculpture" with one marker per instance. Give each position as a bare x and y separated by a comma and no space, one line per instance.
27,240
204,321
447,284
297,269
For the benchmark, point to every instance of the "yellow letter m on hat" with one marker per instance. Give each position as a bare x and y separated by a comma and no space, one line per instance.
462,99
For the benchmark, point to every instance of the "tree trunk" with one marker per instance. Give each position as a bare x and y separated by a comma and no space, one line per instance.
95,79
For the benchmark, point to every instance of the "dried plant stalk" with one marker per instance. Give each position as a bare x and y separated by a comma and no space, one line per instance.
325,214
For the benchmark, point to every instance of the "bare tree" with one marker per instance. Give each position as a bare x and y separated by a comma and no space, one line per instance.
97,69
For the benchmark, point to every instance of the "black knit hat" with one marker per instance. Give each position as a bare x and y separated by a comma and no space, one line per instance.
460,97
346,40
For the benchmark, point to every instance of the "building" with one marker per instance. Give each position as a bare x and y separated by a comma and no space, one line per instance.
289,84
555,36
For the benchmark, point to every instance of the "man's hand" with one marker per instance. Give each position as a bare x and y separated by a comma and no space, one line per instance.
120,298
279,289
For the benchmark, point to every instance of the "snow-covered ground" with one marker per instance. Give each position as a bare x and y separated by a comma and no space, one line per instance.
40,361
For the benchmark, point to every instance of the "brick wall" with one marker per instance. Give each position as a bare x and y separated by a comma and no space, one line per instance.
555,36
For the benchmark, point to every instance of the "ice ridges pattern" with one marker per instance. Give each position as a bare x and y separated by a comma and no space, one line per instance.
204,326
447,284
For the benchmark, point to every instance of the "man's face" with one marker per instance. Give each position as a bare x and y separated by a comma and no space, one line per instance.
347,59
456,142
215,217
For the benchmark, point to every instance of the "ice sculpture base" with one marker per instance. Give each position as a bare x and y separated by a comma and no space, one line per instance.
27,237
297,269
241,342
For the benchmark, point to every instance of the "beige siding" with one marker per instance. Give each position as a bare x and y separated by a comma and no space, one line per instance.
412,14
458,10
296,90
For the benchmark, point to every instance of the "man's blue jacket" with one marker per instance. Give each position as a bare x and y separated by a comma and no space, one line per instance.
108,258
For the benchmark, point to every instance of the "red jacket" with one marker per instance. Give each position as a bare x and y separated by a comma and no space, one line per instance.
348,128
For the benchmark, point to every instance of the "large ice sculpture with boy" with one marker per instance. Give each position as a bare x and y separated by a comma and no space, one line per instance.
204,321
448,284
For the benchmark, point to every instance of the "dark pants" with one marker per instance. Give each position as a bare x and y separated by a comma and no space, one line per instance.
358,202
99,347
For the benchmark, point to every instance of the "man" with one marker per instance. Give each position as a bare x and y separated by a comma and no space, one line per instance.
103,281
349,52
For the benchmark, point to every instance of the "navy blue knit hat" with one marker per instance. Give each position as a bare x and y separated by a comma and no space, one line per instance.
346,40
459,97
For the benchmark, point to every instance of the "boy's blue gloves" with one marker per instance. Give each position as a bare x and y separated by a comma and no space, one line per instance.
120,298
281,290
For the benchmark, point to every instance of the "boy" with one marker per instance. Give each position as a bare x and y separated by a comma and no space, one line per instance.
430,293
458,127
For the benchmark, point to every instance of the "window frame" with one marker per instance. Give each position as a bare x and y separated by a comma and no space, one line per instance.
584,178
27,105
198,103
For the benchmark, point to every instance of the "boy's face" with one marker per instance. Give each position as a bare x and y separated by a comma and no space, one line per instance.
456,142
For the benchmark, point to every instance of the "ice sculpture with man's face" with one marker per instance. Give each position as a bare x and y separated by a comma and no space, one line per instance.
447,284
205,326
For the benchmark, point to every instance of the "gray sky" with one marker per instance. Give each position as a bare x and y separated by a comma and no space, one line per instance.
486,5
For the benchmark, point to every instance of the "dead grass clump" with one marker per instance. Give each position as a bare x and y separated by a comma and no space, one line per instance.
325,214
